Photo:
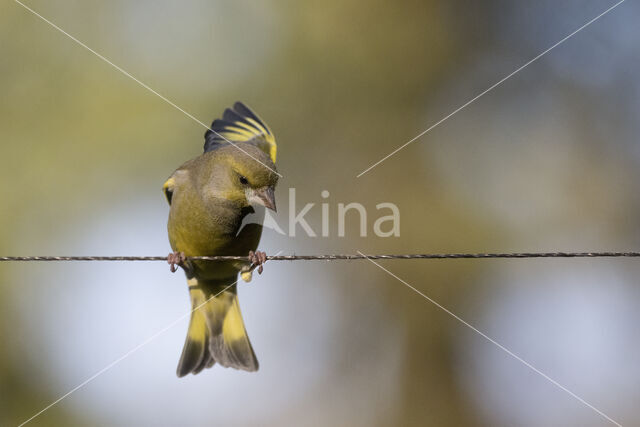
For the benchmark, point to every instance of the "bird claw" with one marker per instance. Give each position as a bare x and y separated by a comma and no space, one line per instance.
257,259
175,260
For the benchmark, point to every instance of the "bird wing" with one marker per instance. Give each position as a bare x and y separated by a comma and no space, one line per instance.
240,125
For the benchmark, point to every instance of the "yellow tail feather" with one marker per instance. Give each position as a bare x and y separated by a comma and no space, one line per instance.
216,332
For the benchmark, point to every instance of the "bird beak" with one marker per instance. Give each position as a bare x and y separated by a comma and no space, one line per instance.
267,198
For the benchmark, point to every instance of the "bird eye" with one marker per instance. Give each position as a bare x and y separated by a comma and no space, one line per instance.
243,180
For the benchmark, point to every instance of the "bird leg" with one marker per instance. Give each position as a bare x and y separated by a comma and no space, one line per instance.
176,259
257,259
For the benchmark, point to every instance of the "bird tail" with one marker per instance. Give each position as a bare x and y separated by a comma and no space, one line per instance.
216,332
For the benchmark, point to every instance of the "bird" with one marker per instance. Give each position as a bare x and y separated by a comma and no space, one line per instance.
209,196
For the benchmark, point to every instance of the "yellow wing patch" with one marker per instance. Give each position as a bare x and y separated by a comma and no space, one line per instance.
167,189
240,124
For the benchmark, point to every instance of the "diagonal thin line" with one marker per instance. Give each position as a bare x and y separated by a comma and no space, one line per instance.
124,356
490,88
144,85
497,344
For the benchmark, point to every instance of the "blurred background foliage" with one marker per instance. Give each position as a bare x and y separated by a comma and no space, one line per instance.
546,161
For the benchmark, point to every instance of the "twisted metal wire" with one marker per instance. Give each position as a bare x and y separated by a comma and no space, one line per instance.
336,257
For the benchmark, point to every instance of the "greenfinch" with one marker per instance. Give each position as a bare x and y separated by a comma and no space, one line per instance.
209,196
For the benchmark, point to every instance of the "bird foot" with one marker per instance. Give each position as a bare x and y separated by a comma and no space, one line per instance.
257,259
175,260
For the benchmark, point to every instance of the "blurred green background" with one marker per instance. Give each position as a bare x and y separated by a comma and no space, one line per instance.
546,161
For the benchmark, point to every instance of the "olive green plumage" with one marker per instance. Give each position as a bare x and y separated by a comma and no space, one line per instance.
209,196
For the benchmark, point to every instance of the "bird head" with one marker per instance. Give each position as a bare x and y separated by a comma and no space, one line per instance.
246,177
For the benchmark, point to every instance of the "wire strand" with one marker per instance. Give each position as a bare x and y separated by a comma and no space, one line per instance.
336,257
